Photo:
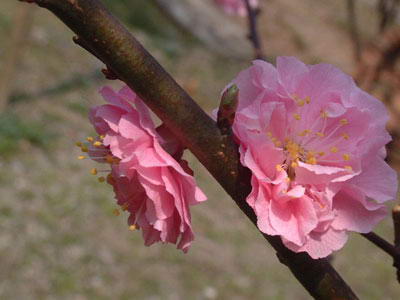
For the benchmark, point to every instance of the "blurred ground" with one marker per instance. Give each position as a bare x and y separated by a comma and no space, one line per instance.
58,236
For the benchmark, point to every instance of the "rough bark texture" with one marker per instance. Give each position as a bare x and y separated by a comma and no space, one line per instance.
119,50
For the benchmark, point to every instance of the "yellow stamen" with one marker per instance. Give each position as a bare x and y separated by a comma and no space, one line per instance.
344,122
278,143
293,149
320,134
101,179
294,164
125,206
322,153
334,149
310,154
93,171
102,137
346,156
97,144
79,144
300,103
324,114
345,136
116,212
348,168
297,117
311,160
132,227
304,132
80,157
84,149
279,168
90,139
110,179
109,159
307,99
269,134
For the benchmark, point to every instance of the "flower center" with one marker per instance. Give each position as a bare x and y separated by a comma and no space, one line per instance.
318,143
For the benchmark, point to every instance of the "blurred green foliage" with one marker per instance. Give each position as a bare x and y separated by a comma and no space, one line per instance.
14,130
4,23
144,15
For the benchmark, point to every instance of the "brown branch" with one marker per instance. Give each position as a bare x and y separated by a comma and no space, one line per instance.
352,20
379,55
107,71
253,36
117,48
382,243
386,247
396,225
387,12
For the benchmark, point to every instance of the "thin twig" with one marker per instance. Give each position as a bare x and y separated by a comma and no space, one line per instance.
254,36
382,243
354,35
396,225
386,247
117,48
387,12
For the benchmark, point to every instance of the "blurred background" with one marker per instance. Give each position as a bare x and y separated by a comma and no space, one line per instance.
58,236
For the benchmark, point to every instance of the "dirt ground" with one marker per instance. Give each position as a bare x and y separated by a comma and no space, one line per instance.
58,236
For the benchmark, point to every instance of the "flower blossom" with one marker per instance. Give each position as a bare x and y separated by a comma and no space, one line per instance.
315,144
236,7
152,186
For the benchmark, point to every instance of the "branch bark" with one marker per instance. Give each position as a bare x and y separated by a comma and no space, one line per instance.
354,35
254,36
396,225
386,247
117,48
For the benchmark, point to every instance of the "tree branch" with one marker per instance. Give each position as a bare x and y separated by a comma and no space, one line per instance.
396,225
387,12
352,19
383,244
117,48
387,247
253,36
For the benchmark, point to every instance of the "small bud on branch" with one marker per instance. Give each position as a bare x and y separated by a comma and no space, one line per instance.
227,109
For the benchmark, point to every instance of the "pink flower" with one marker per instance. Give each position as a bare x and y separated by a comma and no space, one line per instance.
236,7
148,182
315,144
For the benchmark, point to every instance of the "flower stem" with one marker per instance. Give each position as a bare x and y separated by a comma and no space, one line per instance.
254,37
